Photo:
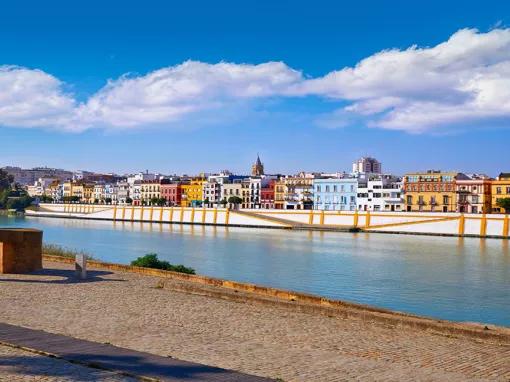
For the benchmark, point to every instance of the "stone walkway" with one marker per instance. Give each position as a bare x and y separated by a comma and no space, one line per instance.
120,360
142,313
18,365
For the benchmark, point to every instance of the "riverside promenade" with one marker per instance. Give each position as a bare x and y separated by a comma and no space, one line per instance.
206,325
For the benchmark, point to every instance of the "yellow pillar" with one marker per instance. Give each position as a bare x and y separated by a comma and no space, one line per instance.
171,216
192,219
152,213
505,226
322,218
182,214
215,216
114,213
161,214
356,218
367,219
483,225
203,215
132,213
310,218
227,215
141,213
462,223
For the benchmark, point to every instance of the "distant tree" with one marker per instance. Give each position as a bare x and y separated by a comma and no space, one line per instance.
161,201
19,203
223,202
46,199
129,200
154,201
504,203
108,200
235,200
6,180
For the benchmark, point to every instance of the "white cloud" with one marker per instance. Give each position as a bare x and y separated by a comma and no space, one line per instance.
462,81
32,98
171,93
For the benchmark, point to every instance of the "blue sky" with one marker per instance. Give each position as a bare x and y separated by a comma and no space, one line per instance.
282,90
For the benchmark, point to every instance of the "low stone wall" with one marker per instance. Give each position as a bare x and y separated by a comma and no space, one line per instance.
303,302
20,250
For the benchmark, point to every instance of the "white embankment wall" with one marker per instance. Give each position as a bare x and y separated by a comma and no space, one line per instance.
490,225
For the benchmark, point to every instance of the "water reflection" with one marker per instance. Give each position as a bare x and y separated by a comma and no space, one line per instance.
460,279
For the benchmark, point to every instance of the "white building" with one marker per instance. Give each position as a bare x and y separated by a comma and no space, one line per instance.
380,193
99,194
39,187
367,165
212,192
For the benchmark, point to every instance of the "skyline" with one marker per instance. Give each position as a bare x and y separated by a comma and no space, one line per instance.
169,90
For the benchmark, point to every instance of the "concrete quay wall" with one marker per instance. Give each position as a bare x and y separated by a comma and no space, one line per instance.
424,223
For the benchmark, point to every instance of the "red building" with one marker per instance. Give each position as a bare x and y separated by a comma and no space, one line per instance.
172,192
267,195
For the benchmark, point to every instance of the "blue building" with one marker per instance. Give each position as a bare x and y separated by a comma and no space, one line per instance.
335,194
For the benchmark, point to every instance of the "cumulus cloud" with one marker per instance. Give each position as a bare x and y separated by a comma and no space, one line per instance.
169,94
464,80
32,98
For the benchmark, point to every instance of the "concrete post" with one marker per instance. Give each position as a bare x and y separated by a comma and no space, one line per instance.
81,266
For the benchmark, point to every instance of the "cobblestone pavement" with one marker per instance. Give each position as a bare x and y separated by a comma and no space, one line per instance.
129,310
23,366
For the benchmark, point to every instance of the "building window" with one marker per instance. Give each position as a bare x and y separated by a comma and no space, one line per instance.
498,190
445,199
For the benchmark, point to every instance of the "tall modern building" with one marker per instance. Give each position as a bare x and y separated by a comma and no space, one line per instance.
258,168
367,165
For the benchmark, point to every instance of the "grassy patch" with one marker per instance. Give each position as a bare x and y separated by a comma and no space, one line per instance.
151,260
58,250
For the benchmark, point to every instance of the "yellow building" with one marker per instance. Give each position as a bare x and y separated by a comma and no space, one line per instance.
432,191
294,192
280,190
193,193
88,193
77,190
500,190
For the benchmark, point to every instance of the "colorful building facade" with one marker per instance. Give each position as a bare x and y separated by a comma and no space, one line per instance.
335,194
192,193
431,191
474,195
172,192
500,189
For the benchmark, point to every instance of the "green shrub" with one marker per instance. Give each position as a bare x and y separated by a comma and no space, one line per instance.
58,250
151,260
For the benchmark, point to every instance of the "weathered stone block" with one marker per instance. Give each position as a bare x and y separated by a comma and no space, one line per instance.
20,250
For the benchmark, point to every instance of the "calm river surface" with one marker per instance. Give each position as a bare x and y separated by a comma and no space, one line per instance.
449,278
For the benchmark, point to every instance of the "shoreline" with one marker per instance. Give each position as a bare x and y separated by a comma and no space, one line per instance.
305,302
315,229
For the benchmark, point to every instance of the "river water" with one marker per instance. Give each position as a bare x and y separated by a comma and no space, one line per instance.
450,278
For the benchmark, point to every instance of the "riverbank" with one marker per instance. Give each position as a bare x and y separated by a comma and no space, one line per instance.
169,316
418,223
